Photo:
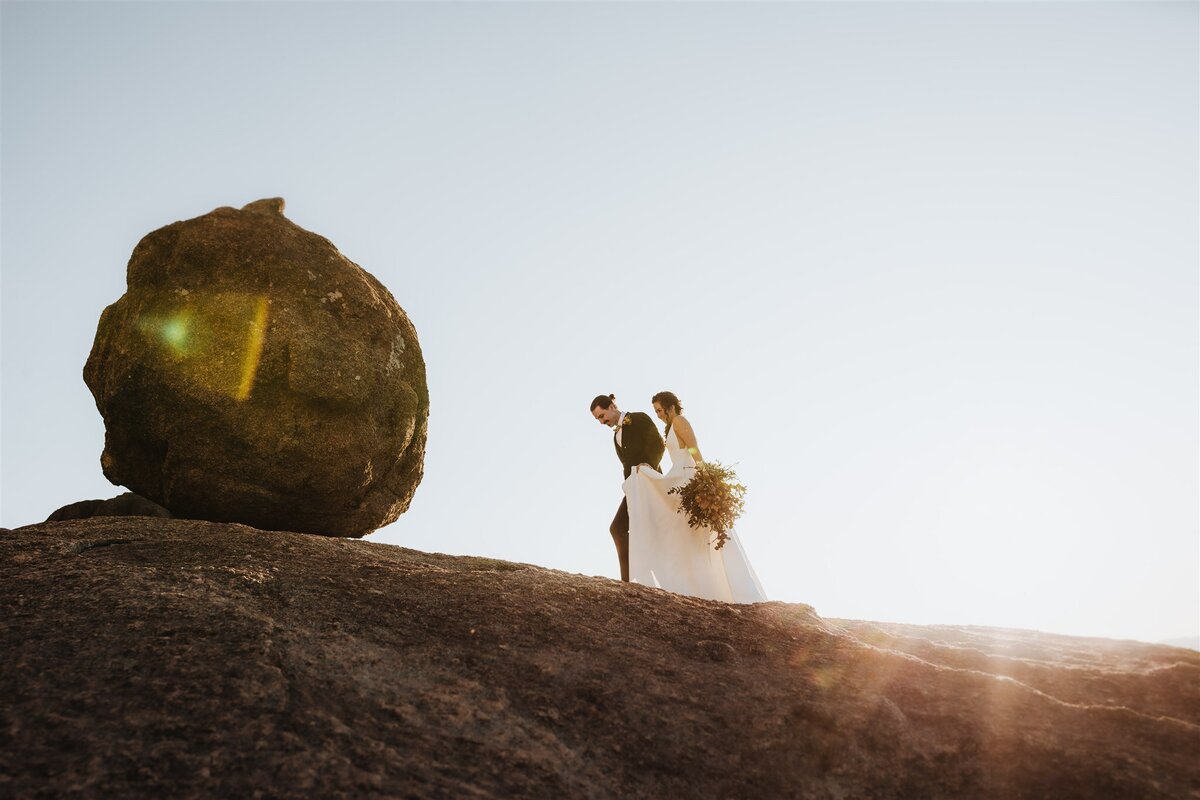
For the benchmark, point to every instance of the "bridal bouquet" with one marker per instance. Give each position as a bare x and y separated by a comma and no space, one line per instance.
713,498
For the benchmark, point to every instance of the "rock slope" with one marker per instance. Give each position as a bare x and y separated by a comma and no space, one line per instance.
160,657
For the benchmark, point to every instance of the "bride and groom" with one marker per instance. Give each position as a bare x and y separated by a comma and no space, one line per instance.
655,545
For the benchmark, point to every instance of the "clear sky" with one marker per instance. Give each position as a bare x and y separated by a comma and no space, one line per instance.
926,273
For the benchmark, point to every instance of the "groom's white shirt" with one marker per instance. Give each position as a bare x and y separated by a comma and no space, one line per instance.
620,419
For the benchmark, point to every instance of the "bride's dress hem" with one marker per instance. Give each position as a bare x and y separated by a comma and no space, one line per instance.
666,553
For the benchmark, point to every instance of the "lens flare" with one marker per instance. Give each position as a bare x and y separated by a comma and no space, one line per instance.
173,330
253,351
211,342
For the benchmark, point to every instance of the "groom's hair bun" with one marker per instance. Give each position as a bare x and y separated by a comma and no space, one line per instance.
604,401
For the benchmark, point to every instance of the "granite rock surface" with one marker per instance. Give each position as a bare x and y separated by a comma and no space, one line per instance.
177,658
123,505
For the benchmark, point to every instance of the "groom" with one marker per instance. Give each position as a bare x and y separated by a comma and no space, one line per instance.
638,444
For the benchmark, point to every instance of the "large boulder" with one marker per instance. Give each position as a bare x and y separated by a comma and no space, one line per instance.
252,373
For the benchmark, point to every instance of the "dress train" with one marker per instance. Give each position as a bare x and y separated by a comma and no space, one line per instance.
665,552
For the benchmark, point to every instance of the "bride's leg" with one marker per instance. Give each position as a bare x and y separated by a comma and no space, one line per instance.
620,534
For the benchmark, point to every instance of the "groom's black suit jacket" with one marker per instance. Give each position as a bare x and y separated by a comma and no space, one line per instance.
640,442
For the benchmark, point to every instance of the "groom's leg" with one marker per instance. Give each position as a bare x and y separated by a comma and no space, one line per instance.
620,533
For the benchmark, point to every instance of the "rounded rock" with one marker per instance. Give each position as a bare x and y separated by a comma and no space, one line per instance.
252,373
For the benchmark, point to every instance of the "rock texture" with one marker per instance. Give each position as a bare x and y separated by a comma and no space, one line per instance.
253,374
173,658
123,505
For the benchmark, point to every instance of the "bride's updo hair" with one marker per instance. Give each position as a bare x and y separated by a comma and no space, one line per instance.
668,401
604,401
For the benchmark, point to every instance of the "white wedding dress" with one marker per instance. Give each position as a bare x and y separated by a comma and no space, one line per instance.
665,552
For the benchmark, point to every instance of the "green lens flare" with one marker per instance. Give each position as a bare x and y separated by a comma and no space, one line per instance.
173,330
175,333
214,343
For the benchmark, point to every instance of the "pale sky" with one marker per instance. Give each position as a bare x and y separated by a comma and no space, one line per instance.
926,273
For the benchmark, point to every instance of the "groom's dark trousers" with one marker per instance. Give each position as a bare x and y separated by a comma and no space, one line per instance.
620,533
641,444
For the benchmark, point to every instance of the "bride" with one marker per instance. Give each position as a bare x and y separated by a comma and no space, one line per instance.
663,550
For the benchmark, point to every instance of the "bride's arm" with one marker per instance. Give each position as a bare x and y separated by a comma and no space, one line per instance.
687,437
